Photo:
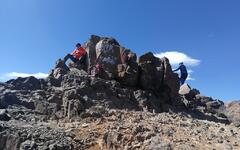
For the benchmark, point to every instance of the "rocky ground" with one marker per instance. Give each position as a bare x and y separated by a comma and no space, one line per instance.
120,129
129,104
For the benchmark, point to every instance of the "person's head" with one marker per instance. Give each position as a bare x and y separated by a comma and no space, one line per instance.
78,45
181,63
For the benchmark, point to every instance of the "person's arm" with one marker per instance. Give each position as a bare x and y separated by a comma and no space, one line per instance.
176,69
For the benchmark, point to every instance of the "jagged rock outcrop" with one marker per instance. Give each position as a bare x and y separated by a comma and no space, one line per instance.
56,74
194,101
150,74
148,83
105,52
156,75
34,113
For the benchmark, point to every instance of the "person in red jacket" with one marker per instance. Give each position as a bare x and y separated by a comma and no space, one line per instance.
79,55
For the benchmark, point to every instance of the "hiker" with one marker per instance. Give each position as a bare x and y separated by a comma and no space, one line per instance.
183,71
79,55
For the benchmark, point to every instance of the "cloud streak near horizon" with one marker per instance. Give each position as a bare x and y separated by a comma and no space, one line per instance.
13,75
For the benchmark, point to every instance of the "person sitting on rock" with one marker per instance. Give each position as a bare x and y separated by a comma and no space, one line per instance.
79,55
183,71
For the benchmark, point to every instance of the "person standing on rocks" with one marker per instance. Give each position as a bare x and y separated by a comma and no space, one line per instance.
79,55
183,71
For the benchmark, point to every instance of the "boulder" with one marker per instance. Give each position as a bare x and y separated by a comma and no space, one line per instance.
104,51
108,56
156,75
170,79
151,72
128,70
185,89
149,57
188,92
233,112
127,55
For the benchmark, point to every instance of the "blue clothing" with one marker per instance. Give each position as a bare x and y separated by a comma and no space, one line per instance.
183,78
182,69
184,73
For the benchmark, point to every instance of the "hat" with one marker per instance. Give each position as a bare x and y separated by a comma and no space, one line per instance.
78,45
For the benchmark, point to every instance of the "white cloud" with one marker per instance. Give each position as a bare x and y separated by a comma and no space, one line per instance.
12,75
176,57
17,74
190,75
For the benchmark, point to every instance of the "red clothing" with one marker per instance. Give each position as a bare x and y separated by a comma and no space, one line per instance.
78,52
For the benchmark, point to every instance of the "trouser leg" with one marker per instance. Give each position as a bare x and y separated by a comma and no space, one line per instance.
183,78
71,57
66,58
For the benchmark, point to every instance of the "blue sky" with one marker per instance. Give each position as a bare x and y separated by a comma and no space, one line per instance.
34,33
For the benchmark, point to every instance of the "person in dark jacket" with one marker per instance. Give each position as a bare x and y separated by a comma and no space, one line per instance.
183,71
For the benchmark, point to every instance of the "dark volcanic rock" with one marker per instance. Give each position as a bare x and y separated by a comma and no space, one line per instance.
170,79
128,74
156,75
29,83
151,78
90,47
4,116
71,95
147,84
56,75
10,98
108,56
203,107
16,136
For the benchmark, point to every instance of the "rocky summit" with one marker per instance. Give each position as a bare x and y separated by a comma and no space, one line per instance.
130,103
